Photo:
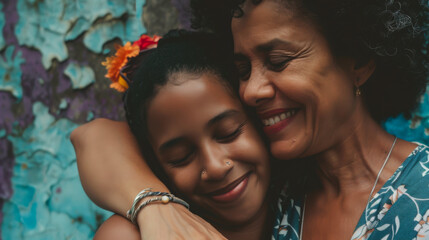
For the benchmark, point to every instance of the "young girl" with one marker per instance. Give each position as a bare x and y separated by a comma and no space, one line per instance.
195,133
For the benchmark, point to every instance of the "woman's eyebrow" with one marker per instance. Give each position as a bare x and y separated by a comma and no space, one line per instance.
265,47
268,46
226,114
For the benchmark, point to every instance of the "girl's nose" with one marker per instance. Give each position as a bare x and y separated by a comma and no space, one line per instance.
216,165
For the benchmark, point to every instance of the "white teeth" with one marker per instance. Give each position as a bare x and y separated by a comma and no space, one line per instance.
273,120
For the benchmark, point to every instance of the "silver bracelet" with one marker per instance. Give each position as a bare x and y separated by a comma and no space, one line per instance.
162,197
137,199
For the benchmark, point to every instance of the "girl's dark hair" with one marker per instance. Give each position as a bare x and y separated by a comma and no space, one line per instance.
393,33
178,51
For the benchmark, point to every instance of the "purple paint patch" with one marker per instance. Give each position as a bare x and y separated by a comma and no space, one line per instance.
7,117
1,215
11,17
184,10
6,166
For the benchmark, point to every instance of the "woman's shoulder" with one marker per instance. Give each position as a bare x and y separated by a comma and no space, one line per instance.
417,159
421,149
415,167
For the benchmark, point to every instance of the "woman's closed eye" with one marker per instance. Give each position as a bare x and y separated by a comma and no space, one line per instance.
243,70
278,61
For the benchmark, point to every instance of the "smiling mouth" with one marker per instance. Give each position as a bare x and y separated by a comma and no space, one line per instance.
275,117
276,120
232,191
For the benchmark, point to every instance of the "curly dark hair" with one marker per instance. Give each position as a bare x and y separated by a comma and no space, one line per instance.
393,33
179,51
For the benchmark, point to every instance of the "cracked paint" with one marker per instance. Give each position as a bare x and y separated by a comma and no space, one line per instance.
10,72
2,23
80,76
128,32
47,25
45,161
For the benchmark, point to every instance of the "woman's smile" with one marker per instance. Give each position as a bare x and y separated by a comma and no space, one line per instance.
276,120
302,99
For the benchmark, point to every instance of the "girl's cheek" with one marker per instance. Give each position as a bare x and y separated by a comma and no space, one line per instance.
185,180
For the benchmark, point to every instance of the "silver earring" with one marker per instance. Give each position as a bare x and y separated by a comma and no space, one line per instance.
203,172
228,163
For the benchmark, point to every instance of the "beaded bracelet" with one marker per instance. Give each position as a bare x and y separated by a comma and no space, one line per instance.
162,197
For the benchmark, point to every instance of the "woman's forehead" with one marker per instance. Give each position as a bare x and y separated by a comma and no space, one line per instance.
261,25
282,7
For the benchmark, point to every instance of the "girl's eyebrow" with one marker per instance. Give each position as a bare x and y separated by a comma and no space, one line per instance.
226,114
178,140
171,143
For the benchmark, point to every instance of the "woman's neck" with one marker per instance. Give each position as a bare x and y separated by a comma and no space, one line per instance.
354,162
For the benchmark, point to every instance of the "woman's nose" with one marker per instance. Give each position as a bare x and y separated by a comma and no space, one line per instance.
256,89
216,165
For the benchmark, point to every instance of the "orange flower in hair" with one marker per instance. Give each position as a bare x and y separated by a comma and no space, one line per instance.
114,64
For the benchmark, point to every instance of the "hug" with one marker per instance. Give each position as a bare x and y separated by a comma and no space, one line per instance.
267,124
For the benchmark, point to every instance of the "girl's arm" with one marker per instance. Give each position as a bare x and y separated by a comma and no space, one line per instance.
112,172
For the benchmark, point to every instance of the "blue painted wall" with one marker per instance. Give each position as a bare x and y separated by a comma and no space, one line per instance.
51,81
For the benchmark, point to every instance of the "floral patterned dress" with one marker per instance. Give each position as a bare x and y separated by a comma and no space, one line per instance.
400,210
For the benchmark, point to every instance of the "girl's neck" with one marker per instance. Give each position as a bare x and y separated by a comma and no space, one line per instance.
259,227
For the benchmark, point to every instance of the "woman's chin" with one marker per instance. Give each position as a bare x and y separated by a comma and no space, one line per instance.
285,150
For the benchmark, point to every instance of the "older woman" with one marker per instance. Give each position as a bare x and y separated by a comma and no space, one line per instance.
321,76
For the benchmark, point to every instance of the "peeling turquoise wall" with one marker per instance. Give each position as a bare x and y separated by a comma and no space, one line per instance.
51,81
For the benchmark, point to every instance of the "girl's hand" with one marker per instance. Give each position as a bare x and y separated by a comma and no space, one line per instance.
173,221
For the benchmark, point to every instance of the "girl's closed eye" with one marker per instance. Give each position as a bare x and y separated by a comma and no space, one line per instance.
230,134
181,161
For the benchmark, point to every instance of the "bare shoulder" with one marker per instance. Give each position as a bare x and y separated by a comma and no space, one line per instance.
117,227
